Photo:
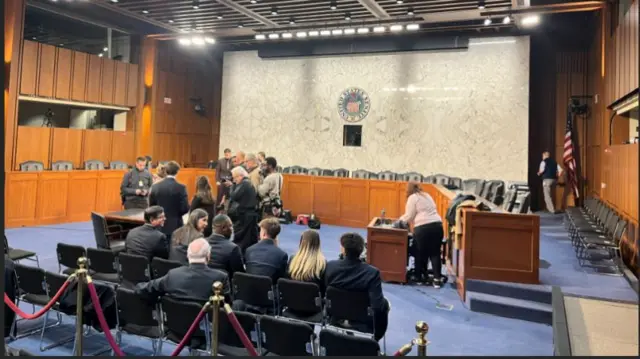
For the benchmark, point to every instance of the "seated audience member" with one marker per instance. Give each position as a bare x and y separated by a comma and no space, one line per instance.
269,190
183,236
225,254
203,199
172,196
265,258
148,240
351,274
253,168
242,209
193,282
308,264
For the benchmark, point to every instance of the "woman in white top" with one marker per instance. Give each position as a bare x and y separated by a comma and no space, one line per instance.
427,232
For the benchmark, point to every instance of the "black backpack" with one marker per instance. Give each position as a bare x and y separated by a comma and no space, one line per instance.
314,222
453,206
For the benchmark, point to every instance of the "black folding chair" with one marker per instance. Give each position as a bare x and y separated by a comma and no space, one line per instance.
255,291
300,300
287,338
160,266
104,265
178,317
333,343
229,341
19,254
54,282
137,317
133,269
68,255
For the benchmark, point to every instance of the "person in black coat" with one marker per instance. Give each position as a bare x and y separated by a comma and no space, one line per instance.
183,236
265,258
191,283
203,199
148,240
243,209
172,196
10,290
225,254
352,274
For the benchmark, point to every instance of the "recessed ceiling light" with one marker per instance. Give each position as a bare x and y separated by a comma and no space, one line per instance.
378,29
301,34
196,4
254,1
274,11
240,26
349,31
333,5
347,16
145,11
184,41
487,22
314,33
274,36
325,32
292,21
170,21
395,28
33,38
399,1
260,37
197,40
114,0
506,20
336,32
61,44
105,49
531,20
363,30
481,5
287,35
220,17
209,40
413,27
410,11
100,54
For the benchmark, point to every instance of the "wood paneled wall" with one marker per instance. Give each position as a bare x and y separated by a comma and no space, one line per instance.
53,72
621,44
48,145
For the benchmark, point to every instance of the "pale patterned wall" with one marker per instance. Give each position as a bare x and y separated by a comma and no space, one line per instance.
462,113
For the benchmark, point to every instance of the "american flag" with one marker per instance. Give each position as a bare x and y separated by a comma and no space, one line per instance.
567,158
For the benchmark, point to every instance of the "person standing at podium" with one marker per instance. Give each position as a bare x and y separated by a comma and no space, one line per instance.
428,232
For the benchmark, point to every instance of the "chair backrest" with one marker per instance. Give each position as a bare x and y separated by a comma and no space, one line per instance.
410,177
212,164
286,170
345,305
118,165
228,336
315,171
620,228
455,182
341,172
179,315
328,173
299,296
160,266
253,289
441,179
134,309
473,185
522,203
6,244
333,343
31,280
387,176
93,165
133,268
102,260
279,169
362,174
509,200
68,254
54,282
62,166
286,338
31,166
297,170
99,230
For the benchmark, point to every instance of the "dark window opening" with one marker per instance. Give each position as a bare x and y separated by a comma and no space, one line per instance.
352,135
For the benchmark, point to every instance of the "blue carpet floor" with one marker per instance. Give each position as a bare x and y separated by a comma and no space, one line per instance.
452,332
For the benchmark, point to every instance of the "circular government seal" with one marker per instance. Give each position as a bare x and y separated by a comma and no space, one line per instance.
354,104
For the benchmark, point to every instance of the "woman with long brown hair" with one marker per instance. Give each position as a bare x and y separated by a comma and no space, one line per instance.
203,199
427,232
183,236
308,264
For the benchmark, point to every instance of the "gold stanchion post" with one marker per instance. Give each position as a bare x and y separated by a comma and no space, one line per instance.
216,300
81,275
421,341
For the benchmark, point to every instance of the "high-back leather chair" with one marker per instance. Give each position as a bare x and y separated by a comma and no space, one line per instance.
297,170
522,203
509,200
62,166
315,171
410,177
327,173
118,165
31,166
473,185
362,174
455,182
429,179
93,165
341,172
212,164
441,179
279,169
387,176
493,189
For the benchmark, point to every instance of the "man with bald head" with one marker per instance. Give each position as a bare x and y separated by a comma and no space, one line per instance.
225,254
193,282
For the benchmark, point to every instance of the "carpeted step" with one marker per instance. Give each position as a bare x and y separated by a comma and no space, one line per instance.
510,307
528,292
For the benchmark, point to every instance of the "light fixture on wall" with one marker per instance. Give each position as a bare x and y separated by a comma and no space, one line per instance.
363,30
333,5
260,37
395,28
487,21
379,29
274,11
301,34
292,21
196,4
197,40
413,27
506,20
481,5
530,20
347,16
410,11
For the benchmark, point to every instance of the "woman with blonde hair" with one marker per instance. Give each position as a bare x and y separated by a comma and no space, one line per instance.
428,232
183,236
308,264
203,199
161,173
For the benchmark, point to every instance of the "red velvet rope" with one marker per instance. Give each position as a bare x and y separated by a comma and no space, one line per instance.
40,313
103,322
238,328
187,336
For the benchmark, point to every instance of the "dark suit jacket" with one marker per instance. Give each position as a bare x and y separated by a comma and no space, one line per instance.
245,195
225,255
193,283
172,196
147,241
223,169
355,275
265,258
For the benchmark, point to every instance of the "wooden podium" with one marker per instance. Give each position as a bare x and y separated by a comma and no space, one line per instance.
387,249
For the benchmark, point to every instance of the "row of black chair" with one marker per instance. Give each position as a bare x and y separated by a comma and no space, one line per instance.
35,166
16,254
596,231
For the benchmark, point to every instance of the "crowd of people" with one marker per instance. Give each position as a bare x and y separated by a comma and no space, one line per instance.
237,231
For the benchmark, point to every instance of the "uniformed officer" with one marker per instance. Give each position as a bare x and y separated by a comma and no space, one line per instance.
135,186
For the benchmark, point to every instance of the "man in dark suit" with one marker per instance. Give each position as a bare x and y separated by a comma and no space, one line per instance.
352,274
265,258
243,209
148,240
223,173
172,196
225,254
193,282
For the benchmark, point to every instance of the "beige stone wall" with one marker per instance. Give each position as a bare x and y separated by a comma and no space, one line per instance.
463,113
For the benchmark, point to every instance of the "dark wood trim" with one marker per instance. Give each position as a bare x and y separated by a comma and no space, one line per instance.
561,340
